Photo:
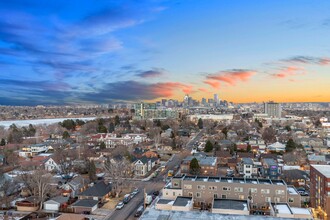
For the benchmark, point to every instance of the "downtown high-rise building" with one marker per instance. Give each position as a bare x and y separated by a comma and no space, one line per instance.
216,99
273,109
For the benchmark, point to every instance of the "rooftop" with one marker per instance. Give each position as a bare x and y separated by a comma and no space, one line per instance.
324,169
230,204
85,203
232,180
182,201
154,214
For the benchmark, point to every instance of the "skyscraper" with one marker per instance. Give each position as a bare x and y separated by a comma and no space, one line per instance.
273,109
216,100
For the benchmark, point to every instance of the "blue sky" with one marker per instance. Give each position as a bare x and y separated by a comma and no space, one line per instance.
76,52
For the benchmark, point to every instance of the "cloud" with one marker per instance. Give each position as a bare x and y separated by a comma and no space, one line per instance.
133,90
203,90
230,77
155,72
213,83
308,60
289,71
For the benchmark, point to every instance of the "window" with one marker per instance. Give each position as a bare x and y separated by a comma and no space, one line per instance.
200,187
198,194
187,186
279,192
248,171
291,200
213,188
277,199
223,196
215,195
268,199
241,197
190,194
248,166
226,188
264,191
253,190
173,193
175,184
238,189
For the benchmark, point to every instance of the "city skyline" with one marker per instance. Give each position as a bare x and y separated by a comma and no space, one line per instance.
75,52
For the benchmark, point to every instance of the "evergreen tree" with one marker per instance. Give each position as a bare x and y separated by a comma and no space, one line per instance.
194,167
111,127
208,146
65,135
200,123
117,120
92,171
290,145
3,142
102,146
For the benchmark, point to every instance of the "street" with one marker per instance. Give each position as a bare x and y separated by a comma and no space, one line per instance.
155,184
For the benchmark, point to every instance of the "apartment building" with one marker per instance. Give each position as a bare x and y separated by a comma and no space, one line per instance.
273,109
260,192
320,190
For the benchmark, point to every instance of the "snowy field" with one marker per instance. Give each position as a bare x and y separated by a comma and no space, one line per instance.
21,123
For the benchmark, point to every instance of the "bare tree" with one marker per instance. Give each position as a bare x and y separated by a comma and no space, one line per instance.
64,158
155,135
118,171
38,183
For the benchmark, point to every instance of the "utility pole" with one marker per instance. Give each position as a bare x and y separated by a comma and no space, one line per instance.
144,198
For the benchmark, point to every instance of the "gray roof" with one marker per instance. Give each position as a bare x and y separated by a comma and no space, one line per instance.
270,161
230,204
85,203
205,161
247,160
164,201
58,199
182,201
99,189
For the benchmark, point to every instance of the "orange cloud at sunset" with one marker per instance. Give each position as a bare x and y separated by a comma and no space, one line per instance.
229,77
167,89
289,71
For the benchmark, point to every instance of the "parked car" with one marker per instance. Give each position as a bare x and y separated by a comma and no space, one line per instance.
120,205
139,211
127,198
156,193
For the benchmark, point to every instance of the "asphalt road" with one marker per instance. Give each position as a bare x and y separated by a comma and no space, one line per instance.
155,184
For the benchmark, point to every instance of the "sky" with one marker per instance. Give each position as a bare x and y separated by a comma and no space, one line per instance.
106,51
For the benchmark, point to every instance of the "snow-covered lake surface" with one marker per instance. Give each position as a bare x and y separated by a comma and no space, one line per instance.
47,121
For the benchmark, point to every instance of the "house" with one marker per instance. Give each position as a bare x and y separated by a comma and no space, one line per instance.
240,155
298,178
99,192
232,163
71,216
241,147
51,165
144,164
84,206
246,168
35,149
29,204
208,165
317,159
150,154
74,187
56,203
277,147
270,168
223,156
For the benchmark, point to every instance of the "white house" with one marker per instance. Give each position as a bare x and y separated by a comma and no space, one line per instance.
35,149
54,204
52,165
143,165
278,147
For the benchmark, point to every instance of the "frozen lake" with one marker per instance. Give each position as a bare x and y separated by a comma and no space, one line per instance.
47,121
